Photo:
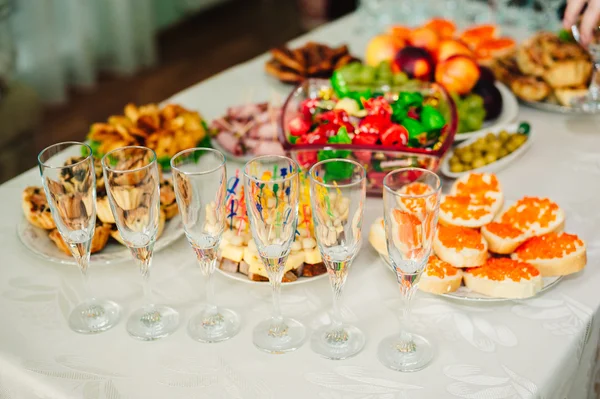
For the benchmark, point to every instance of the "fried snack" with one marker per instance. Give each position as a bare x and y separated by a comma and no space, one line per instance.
311,60
166,130
101,235
36,208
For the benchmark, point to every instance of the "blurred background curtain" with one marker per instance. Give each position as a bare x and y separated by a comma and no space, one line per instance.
62,43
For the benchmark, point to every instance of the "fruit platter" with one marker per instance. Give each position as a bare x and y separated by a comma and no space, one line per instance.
490,153
382,128
547,71
38,231
437,52
165,129
247,131
238,254
489,250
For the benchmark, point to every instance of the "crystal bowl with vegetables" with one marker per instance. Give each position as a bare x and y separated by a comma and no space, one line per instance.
383,127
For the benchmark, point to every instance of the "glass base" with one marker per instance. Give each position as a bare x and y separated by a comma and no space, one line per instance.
587,104
215,328
285,337
94,316
402,357
152,322
337,345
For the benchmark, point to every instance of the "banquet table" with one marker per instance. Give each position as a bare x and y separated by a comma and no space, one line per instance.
545,347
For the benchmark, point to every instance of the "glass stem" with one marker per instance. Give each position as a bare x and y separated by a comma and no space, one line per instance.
85,278
211,308
276,291
408,288
594,88
143,258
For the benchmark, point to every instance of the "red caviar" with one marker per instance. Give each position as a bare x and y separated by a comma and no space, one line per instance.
529,210
460,237
503,230
477,184
462,206
499,269
548,246
415,205
438,268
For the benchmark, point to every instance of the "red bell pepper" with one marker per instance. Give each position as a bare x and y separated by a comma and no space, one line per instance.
378,106
374,124
395,135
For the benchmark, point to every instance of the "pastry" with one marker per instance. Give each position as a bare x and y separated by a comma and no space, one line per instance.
440,277
553,254
566,96
101,235
114,231
168,202
460,246
502,238
504,278
103,210
36,209
377,236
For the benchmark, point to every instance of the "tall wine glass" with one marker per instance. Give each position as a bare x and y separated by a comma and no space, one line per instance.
132,184
337,195
271,187
200,178
71,194
411,200
591,101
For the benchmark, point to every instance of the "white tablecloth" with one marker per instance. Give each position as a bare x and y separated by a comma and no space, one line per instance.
540,348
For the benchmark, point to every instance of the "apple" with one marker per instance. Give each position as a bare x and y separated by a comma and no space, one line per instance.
458,74
382,48
416,62
448,48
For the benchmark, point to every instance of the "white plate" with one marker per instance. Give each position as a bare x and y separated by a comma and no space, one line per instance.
492,167
465,294
510,110
38,242
558,108
241,277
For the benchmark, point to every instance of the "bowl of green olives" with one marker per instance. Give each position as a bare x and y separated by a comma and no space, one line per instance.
489,153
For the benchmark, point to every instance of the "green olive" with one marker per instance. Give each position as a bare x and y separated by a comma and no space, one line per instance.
511,146
479,144
495,145
467,157
490,137
489,158
478,163
454,159
456,168
502,152
503,135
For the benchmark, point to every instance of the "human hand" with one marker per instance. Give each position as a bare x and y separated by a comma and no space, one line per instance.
589,20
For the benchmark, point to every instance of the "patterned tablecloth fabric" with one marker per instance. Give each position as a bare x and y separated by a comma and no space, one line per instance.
545,347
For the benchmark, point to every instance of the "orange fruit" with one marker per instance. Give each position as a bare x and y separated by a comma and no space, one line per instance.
458,74
443,27
399,31
425,38
491,48
474,35
448,48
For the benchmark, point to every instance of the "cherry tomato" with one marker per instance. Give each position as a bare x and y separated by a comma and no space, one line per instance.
365,138
395,135
377,106
298,126
307,108
374,124
326,130
338,117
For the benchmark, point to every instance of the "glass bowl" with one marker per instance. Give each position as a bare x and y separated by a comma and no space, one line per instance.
377,159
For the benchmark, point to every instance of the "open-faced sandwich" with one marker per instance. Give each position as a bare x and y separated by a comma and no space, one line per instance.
460,246
440,277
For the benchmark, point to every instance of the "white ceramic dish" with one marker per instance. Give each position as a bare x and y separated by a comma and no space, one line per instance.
495,166
510,111
240,277
37,241
465,294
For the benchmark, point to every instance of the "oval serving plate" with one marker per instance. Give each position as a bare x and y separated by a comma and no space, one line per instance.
557,108
510,111
494,166
37,241
240,277
465,294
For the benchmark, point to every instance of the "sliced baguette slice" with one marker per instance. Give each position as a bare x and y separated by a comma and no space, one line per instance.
483,187
377,236
440,277
504,278
554,254
535,216
463,211
460,246
502,238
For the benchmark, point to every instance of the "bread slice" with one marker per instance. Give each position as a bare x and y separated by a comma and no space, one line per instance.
483,188
534,216
460,246
377,236
554,254
504,278
464,211
502,238
440,277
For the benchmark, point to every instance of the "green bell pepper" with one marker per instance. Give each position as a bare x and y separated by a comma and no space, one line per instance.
339,85
432,119
417,135
410,99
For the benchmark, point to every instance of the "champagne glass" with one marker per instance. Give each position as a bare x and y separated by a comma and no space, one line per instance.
71,193
337,195
200,178
591,101
411,200
132,184
271,187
